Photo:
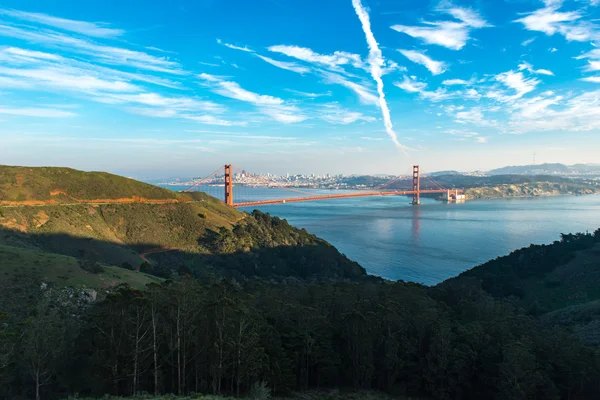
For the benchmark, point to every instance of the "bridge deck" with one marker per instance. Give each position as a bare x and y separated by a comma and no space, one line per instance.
339,196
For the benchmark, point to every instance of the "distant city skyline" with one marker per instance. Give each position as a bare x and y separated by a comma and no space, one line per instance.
153,90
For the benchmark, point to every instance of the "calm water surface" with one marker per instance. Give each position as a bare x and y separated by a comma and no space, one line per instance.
434,241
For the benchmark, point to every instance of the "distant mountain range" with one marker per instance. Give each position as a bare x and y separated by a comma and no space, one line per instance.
548,169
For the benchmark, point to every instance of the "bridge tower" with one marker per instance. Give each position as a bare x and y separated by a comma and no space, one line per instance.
228,185
416,185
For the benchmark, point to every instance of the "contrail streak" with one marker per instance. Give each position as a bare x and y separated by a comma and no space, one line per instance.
376,63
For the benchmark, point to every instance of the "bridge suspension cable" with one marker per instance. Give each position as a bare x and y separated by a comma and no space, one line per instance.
204,180
231,173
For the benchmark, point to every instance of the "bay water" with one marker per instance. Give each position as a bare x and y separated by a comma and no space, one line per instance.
429,243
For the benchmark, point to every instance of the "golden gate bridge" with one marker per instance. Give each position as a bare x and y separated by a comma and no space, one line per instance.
227,174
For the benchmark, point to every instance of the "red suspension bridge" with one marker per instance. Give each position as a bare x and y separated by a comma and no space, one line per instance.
222,180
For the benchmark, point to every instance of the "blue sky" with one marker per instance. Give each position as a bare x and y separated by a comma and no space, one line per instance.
154,89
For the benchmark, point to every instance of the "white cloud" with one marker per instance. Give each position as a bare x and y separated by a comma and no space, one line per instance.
273,107
365,94
208,64
311,95
470,17
331,68
435,67
157,100
525,66
527,42
553,50
234,91
28,55
517,82
391,67
593,79
536,106
212,120
547,20
290,66
593,65
68,79
334,114
464,135
12,83
436,96
449,34
452,35
332,61
593,59
411,85
453,82
95,29
551,21
473,116
232,46
580,113
36,70
461,133
153,112
376,62
376,139
284,114
37,112
471,94
104,54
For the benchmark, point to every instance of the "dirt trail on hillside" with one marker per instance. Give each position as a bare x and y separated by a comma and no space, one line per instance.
74,200
132,200
152,251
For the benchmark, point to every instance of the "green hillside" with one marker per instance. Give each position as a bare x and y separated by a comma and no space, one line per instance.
66,271
66,185
252,307
549,277
200,235
559,283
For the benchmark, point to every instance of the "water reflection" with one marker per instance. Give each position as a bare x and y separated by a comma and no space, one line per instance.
430,243
416,223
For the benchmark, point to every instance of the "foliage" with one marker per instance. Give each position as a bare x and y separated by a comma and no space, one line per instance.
545,276
220,337
256,246
91,266
259,391
63,270
266,247
473,337
203,235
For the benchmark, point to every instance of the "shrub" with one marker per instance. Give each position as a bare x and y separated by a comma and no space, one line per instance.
91,266
259,391
126,265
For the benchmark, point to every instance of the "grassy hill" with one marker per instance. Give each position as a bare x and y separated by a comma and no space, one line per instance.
314,322
66,271
191,233
65,185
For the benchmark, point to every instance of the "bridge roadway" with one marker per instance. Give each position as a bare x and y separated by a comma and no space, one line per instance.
339,196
